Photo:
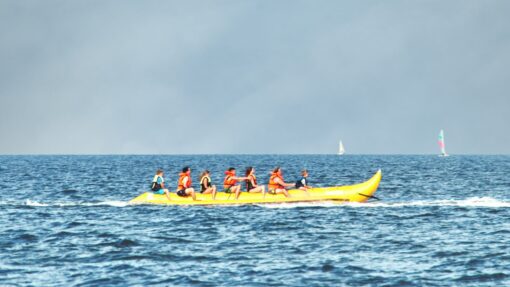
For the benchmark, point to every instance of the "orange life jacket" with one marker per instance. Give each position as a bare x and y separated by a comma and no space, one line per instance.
272,184
180,184
229,181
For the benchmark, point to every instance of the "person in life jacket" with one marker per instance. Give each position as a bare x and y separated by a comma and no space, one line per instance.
251,182
205,184
277,184
158,184
230,182
303,182
184,184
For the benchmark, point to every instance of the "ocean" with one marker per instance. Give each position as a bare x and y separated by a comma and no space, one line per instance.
65,221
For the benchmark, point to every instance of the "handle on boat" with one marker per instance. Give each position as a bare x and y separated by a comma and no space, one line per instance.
369,196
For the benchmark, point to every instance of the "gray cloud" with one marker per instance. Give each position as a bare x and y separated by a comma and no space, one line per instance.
253,77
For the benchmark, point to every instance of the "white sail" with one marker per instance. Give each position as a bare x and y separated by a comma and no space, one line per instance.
341,149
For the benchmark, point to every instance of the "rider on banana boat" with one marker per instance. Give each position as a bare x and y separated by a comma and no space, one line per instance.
158,184
277,184
251,182
229,183
303,182
205,184
184,188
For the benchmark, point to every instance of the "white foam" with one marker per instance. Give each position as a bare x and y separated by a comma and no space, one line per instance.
34,203
300,204
469,202
67,204
110,203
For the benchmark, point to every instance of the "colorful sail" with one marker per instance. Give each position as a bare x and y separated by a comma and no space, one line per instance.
442,144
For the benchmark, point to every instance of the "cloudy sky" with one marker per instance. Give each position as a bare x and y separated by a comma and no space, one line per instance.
193,77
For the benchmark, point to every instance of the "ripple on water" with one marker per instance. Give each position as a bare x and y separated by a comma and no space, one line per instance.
482,278
26,237
70,192
434,227
123,243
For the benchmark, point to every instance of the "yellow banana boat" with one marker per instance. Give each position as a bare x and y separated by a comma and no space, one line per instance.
353,193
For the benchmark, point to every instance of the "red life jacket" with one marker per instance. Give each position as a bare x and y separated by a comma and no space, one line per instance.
229,181
272,184
180,183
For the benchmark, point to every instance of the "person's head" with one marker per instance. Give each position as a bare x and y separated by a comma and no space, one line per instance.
159,172
204,173
231,171
304,173
249,170
277,170
186,170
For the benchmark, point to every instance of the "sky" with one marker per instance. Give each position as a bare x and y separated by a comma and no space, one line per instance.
250,77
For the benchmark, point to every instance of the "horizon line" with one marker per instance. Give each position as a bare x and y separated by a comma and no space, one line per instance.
237,154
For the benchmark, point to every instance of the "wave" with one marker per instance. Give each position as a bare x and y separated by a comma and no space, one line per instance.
29,202
469,202
113,203
475,202
302,204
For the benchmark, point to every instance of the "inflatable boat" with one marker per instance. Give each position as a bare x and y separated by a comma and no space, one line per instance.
348,193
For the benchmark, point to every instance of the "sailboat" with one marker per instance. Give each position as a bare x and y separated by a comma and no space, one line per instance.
441,144
341,149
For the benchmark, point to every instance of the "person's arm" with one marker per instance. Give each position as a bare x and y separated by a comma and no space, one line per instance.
289,184
161,182
281,182
239,178
185,181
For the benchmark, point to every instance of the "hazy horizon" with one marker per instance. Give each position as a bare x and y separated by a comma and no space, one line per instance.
247,154
254,77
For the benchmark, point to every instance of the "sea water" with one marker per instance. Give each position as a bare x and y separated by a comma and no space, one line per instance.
441,221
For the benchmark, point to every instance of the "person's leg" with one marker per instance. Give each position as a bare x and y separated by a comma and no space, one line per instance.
284,191
237,190
209,190
305,190
257,189
167,193
191,191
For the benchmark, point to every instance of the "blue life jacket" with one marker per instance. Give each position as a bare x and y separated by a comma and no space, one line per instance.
302,182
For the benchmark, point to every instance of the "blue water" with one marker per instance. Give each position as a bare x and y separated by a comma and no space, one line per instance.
65,221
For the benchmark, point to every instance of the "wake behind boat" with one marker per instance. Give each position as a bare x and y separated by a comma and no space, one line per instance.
353,193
